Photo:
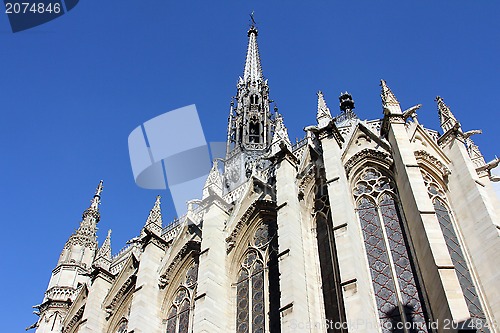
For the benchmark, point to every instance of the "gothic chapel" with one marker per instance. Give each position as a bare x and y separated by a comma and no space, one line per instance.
363,226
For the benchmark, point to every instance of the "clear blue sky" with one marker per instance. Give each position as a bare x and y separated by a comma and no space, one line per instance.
73,89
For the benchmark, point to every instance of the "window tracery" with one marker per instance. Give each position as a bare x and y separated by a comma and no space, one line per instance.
179,313
250,291
437,195
395,283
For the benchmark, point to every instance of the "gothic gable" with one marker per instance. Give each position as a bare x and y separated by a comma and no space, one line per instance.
363,138
422,141
75,311
124,283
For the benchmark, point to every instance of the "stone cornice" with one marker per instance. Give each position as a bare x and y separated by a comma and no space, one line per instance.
98,271
330,130
284,154
390,118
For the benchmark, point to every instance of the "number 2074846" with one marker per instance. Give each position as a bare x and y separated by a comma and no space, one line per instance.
32,8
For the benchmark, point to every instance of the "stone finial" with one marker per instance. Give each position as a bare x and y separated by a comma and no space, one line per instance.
96,200
446,117
389,101
103,257
213,182
280,135
323,115
155,213
253,69
154,220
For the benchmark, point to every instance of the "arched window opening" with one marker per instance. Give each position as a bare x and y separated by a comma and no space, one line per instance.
250,295
179,313
330,272
257,283
178,316
445,219
254,132
397,291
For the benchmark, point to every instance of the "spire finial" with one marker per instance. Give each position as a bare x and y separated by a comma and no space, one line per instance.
154,216
103,257
214,181
446,117
253,69
96,200
323,115
252,19
280,135
389,100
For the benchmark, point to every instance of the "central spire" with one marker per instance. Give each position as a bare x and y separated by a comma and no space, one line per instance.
253,69
250,120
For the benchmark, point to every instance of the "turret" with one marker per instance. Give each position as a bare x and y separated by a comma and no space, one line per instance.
72,270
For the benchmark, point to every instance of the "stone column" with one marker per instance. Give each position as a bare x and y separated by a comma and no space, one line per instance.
476,213
94,316
437,270
145,316
295,310
211,304
361,312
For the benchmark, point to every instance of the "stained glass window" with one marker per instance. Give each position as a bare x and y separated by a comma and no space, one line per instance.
250,291
179,313
395,283
330,272
437,194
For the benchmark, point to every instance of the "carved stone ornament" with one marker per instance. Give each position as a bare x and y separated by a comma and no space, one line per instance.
124,289
259,207
368,154
74,320
306,178
188,248
422,155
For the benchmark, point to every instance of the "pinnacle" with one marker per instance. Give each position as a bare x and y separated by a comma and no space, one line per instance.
155,213
253,69
389,101
280,131
446,117
96,200
323,110
214,181
387,95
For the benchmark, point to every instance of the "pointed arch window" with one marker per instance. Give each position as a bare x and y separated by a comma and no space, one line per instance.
250,295
179,314
397,291
256,304
328,259
453,243
254,132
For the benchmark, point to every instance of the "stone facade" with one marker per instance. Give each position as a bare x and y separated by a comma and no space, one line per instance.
362,226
